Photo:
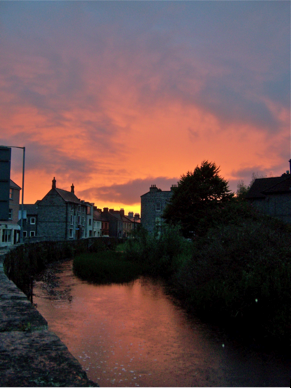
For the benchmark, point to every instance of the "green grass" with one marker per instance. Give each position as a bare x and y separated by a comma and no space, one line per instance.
105,267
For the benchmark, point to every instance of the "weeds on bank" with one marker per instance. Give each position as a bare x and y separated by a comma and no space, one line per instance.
105,267
238,274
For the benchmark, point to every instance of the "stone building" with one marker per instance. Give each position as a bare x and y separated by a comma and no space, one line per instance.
61,215
153,204
30,216
272,196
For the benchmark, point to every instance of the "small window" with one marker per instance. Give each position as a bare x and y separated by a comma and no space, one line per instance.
10,214
24,233
32,220
72,219
71,233
90,221
10,193
158,206
32,233
6,235
79,220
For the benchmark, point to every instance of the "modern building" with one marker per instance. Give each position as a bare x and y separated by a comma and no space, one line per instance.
9,228
153,204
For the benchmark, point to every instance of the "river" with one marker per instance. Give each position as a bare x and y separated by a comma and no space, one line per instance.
135,335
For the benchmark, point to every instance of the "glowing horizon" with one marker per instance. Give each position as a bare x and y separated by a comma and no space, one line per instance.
116,96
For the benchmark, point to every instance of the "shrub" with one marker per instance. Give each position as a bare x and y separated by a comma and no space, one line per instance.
160,255
105,267
241,272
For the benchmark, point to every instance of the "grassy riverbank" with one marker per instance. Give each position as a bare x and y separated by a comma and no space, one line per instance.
105,267
237,275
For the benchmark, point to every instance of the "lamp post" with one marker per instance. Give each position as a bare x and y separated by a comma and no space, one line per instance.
22,194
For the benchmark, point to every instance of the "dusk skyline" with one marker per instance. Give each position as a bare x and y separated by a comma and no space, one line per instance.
116,96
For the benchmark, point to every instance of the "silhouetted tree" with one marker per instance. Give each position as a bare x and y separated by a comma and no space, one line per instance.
196,199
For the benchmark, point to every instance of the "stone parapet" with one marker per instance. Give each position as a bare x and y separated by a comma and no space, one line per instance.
31,355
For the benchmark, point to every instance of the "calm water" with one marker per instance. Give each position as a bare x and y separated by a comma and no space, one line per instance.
134,335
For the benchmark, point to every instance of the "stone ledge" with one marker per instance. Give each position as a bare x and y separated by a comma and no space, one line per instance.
30,359
31,355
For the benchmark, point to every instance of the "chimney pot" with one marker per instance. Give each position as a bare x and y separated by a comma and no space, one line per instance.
73,189
54,183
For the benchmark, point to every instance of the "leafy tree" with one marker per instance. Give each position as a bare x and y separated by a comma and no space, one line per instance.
242,190
196,199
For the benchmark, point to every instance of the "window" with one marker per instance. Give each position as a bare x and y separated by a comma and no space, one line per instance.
6,235
71,233
24,233
158,206
90,221
10,193
79,220
72,219
32,233
10,214
32,220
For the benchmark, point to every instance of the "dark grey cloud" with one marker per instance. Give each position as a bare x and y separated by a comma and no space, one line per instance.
128,193
228,58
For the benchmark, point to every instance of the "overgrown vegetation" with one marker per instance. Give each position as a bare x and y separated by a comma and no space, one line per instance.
237,274
234,271
105,267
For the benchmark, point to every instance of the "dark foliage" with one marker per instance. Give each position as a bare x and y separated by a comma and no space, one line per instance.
195,199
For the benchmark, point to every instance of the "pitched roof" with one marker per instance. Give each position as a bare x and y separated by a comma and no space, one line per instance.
67,196
13,185
282,186
264,186
97,216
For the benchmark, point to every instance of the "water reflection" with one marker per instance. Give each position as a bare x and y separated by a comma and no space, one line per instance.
134,335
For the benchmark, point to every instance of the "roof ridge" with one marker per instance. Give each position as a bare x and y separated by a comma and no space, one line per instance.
277,183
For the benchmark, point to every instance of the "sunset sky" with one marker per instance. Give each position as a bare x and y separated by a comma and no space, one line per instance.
114,96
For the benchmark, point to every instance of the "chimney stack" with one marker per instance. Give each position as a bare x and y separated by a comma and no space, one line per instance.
72,189
54,185
290,166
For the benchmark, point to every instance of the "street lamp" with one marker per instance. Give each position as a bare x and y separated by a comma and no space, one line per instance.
22,194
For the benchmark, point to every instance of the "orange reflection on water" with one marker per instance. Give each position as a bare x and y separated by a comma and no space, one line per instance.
134,335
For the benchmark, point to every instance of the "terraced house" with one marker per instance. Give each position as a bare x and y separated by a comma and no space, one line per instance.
272,196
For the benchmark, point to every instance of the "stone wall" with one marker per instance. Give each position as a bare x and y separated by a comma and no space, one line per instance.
153,204
31,355
52,217
24,261
275,205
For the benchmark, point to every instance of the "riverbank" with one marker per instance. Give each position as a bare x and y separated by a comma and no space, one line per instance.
31,355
